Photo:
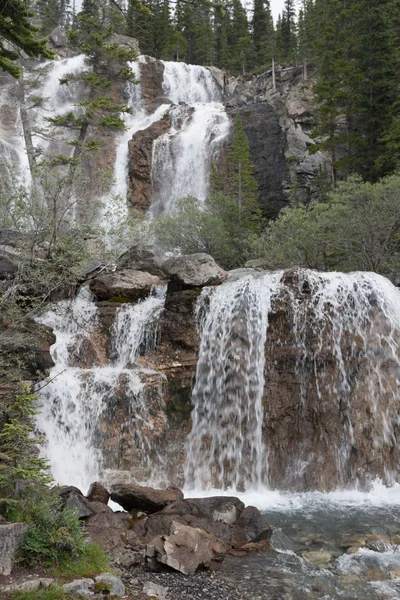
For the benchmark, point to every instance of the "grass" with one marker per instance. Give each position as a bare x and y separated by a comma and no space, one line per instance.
54,592
92,562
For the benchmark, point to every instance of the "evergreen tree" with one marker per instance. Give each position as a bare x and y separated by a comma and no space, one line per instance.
263,32
239,40
16,30
20,464
50,13
90,9
222,25
286,34
241,184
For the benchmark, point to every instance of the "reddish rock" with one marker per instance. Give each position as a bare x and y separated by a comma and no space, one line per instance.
140,147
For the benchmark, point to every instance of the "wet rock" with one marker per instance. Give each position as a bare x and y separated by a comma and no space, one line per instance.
151,79
320,558
187,549
219,77
115,587
140,148
11,535
153,590
131,496
98,493
226,509
127,283
80,587
193,270
251,526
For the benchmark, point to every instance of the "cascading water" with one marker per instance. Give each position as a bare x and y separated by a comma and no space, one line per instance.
75,398
115,207
225,446
346,349
182,157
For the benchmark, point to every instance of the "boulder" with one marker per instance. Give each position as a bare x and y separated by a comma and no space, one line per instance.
193,270
127,283
98,493
226,509
115,587
143,258
108,529
251,526
153,590
83,588
58,38
186,549
131,496
28,586
73,498
11,536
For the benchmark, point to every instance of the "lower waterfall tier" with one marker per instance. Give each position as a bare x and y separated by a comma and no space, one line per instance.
286,380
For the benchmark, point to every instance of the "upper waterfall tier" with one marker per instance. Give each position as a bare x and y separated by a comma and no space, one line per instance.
189,83
297,383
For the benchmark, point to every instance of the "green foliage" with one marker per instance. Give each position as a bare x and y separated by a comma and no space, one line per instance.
17,32
92,560
217,229
20,465
356,228
54,592
53,536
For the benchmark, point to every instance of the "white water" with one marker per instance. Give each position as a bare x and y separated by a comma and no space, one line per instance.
225,447
183,156
75,399
12,141
349,315
57,100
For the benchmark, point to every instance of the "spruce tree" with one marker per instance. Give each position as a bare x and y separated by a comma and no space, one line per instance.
263,32
16,30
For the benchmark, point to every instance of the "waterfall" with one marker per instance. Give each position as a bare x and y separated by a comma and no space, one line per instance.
115,207
182,157
346,344
225,447
57,100
76,398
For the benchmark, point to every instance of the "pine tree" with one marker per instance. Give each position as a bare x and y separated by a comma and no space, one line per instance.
17,30
239,38
241,183
263,32
20,464
90,9
50,12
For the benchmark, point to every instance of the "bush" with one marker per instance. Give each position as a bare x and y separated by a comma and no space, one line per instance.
53,535
355,228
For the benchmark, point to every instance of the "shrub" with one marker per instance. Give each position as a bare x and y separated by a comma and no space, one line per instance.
53,534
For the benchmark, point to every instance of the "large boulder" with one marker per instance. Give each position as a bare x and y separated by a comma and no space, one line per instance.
98,493
131,496
186,549
11,535
226,509
143,258
128,283
250,527
193,270
108,529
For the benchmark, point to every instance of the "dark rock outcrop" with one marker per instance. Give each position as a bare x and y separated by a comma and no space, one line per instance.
146,499
127,283
267,146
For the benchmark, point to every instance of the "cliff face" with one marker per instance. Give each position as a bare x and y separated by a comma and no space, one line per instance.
278,122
